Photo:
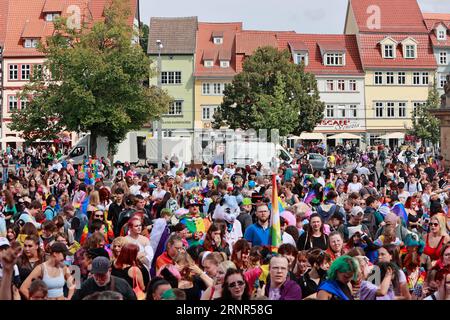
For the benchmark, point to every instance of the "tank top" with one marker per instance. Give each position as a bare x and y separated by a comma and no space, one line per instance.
433,253
55,285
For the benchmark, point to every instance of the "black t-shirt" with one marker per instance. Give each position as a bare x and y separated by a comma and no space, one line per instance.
116,284
308,285
314,242
113,212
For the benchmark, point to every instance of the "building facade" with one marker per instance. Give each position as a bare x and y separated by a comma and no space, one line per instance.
398,62
439,27
26,24
178,39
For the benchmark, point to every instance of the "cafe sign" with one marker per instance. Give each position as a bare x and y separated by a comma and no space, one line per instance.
340,124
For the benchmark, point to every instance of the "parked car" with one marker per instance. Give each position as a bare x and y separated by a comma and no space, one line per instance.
317,161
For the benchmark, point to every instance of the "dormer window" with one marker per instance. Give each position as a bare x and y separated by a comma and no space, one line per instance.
208,63
218,40
31,43
334,59
409,48
441,32
51,16
301,57
389,51
388,48
224,63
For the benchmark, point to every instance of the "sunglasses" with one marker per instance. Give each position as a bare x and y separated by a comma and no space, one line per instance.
237,283
434,224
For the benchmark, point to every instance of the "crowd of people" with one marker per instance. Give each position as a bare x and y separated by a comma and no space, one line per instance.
205,232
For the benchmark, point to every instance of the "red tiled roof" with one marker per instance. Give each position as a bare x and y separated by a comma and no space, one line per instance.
206,46
370,51
395,16
248,41
331,46
4,5
436,16
431,24
25,18
439,43
315,63
216,34
53,6
224,55
298,46
34,29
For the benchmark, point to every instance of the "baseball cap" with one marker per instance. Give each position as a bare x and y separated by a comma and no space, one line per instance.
246,201
59,247
4,242
356,210
100,265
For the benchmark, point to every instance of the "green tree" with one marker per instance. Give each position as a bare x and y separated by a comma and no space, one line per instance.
92,81
271,93
425,125
143,36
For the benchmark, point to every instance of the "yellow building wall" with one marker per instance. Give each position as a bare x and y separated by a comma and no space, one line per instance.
393,93
205,100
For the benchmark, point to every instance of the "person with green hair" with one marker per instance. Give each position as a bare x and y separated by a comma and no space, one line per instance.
343,270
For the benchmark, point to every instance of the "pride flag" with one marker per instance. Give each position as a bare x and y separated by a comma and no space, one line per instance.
275,228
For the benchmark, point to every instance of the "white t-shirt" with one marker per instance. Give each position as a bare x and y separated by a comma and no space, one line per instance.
236,233
354,187
158,194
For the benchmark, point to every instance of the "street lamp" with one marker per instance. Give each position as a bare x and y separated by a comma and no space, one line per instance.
160,46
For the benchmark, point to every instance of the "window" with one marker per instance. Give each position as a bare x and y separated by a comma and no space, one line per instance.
401,78
205,88
442,81
31,43
441,35
330,85
224,64
390,109
176,108
416,78
12,103
341,111
410,51
218,88
389,78
443,57
13,72
26,70
352,85
301,57
378,77
334,59
23,103
402,109
51,16
388,51
425,78
341,85
330,111
218,40
379,110
353,111
171,77
416,105
208,63
208,112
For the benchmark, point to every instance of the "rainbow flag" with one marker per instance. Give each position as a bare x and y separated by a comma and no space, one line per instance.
310,196
275,229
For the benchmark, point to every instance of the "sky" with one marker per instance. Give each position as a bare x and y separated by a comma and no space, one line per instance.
303,16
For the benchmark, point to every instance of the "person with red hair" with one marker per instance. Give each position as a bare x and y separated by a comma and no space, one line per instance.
135,225
128,267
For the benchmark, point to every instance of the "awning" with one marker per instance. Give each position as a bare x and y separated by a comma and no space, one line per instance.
312,136
345,136
394,135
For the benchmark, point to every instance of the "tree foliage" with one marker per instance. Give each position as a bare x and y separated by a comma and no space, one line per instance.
143,36
92,81
271,93
425,125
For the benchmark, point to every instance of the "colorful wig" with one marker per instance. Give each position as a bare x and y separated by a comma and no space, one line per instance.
343,264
